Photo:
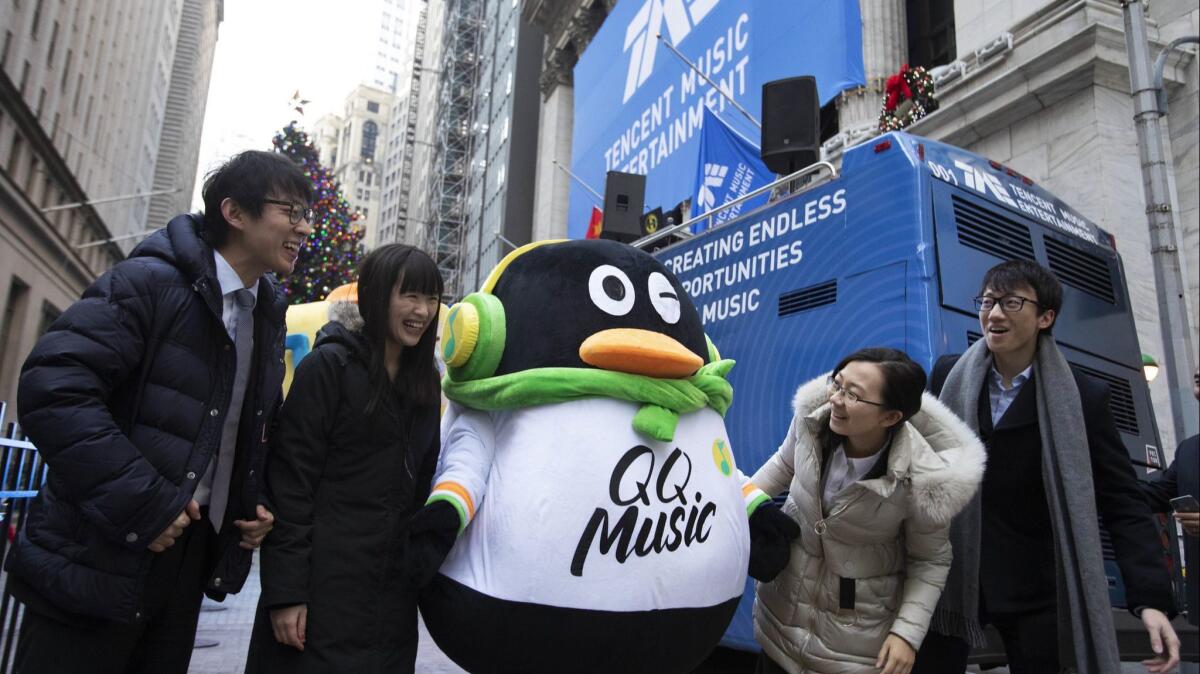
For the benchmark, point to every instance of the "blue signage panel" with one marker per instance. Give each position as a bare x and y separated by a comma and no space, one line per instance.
639,108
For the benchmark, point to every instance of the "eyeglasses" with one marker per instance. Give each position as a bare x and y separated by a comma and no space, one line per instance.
852,398
1009,304
296,212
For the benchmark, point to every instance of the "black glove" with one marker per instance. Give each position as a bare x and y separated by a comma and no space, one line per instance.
771,536
431,534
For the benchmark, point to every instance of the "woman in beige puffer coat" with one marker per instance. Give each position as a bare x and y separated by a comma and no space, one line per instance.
866,572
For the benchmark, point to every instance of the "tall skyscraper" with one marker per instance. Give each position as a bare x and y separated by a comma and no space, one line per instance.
393,46
93,96
456,179
179,140
352,146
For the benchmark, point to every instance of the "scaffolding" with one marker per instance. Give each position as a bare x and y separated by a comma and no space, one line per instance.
411,115
458,77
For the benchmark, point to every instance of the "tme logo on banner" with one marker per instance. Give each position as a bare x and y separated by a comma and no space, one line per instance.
642,34
714,177
983,183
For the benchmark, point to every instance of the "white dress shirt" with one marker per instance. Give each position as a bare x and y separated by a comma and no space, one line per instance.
844,471
1000,397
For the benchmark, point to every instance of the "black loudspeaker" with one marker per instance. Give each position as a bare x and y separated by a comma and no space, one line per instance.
624,198
791,124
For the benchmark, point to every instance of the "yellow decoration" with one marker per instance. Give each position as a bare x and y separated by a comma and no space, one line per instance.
462,335
493,277
721,457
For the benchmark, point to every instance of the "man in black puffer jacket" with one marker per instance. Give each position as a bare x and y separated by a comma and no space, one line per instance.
150,399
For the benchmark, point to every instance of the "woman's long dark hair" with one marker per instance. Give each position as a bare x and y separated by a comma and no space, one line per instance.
378,275
903,384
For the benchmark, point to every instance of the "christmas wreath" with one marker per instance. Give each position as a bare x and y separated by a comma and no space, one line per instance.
908,96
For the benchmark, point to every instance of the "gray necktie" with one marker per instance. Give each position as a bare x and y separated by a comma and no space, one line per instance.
244,343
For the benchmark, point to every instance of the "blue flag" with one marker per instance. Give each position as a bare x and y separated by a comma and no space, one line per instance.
729,168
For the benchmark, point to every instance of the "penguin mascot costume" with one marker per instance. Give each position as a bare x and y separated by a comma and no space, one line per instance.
587,514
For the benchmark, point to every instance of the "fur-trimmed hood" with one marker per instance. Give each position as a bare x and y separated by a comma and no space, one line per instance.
345,327
347,314
935,451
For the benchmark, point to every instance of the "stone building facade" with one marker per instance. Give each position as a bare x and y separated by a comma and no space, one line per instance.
95,97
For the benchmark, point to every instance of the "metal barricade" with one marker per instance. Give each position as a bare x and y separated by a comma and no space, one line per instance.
21,474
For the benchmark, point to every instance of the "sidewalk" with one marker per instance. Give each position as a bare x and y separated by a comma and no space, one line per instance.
231,627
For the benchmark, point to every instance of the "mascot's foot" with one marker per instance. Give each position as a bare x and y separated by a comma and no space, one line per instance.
483,634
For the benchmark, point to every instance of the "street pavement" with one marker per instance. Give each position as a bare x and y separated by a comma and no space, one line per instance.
230,623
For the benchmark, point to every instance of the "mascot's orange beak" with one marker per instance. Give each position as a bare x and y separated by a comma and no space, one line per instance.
639,352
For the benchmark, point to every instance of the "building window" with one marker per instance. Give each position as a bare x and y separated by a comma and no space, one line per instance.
50,313
372,106
10,328
931,32
369,133
8,38
53,42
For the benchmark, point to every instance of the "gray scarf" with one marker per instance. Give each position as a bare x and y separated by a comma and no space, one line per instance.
1085,624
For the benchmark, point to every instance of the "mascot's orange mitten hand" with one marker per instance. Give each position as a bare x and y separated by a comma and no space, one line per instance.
431,534
771,535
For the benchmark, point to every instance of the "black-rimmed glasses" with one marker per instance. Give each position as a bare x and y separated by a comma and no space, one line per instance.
850,397
1009,304
296,212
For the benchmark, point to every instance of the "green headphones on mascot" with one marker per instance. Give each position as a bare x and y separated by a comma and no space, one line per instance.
473,339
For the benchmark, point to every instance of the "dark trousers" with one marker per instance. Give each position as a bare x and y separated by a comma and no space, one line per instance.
1030,644
160,643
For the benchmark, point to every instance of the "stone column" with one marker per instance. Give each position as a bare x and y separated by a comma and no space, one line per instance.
554,145
885,49
575,32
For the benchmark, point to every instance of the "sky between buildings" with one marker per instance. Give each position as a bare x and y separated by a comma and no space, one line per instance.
269,49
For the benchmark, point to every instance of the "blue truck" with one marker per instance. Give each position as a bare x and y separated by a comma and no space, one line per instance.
889,251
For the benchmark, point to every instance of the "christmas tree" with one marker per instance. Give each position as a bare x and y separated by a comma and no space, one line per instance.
330,255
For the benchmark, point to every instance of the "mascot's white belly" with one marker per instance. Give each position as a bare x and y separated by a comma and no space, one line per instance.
582,512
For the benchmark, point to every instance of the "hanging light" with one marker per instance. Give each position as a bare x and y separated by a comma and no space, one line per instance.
1149,367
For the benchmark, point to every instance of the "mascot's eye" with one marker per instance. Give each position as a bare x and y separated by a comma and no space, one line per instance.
664,298
611,290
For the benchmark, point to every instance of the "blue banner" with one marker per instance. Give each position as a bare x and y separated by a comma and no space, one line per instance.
729,167
639,108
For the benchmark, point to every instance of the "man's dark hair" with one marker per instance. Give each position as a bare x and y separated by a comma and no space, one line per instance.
1007,276
248,178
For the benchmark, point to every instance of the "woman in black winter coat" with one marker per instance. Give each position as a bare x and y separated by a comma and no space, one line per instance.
352,459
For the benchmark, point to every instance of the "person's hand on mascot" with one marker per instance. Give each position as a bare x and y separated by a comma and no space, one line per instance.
771,534
431,534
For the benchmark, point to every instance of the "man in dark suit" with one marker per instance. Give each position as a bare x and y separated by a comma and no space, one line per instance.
1182,478
1013,542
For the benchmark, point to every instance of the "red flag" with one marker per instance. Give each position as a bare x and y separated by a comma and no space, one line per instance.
596,225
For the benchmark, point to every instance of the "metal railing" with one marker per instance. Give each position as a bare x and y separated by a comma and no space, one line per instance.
685,226
22,472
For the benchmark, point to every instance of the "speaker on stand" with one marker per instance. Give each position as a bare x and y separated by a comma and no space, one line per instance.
791,124
624,199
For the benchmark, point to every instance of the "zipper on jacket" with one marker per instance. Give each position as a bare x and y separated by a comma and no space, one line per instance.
820,525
